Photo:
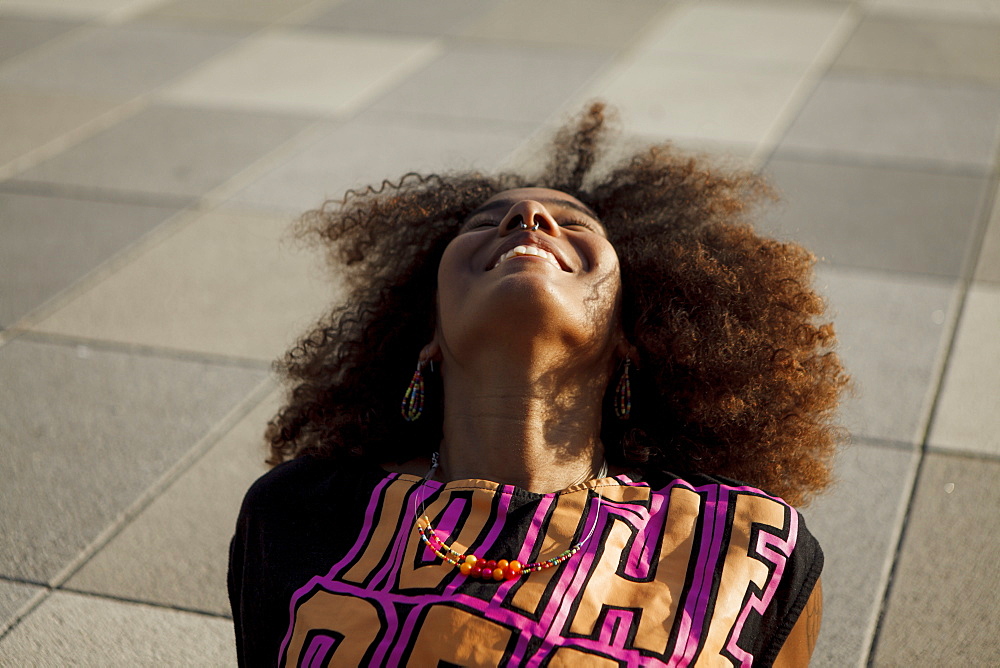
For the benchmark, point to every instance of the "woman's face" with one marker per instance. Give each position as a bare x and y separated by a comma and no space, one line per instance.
530,262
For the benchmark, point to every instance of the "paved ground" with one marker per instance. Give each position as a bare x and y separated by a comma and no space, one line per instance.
154,151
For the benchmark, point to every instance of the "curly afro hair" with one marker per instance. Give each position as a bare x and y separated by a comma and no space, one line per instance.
736,375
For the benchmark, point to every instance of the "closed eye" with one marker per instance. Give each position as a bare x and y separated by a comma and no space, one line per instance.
575,222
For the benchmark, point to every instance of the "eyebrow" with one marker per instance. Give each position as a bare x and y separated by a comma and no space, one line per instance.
506,203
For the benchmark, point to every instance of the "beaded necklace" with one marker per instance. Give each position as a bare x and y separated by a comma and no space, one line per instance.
501,569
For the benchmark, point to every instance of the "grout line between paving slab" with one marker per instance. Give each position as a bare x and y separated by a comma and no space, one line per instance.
85,345
73,137
151,493
846,25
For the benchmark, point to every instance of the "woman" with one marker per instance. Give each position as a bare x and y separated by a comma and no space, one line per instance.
599,355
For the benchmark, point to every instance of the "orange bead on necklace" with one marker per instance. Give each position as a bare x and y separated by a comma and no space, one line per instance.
488,569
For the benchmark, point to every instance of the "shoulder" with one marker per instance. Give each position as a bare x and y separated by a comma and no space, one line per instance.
306,480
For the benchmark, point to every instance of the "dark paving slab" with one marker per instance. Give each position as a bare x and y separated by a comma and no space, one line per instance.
13,596
899,119
49,243
428,17
893,332
168,150
123,60
858,523
524,84
936,49
943,603
18,34
74,630
84,432
879,217
176,551
581,23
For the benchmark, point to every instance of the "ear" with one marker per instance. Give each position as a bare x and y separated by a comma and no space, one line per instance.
626,350
431,352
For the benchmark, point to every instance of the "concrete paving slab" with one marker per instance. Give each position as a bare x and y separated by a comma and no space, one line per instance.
893,332
50,243
176,551
665,98
752,32
894,119
942,606
362,152
988,265
519,84
879,217
20,34
223,14
168,150
967,417
71,629
84,433
858,523
580,23
988,10
906,46
119,61
303,72
75,9
428,17
32,119
223,284
13,597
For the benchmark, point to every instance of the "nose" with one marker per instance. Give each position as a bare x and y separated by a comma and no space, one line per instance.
531,215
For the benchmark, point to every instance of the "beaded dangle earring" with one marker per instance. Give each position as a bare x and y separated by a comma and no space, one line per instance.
413,399
623,394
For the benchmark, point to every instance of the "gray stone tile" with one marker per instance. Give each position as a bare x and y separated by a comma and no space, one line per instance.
168,150
896,119
879,217
84,432
524,84
988,264
363,152
50,242
967,418
946,50
858,524
428,17
933,10
32,119
18,34
224,14
13,596
300,72
582,23
176,551
74,630
126,60
222,284
942,606
893,331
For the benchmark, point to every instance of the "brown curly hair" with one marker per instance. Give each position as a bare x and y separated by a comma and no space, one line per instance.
736,377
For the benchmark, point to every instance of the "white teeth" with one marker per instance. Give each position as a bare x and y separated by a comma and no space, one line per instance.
529,250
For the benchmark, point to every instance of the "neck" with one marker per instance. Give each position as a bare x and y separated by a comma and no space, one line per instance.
536,427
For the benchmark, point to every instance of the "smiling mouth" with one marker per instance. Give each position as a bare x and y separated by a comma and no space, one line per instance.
528,251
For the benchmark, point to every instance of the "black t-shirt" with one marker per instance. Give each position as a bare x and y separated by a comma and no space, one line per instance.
326,568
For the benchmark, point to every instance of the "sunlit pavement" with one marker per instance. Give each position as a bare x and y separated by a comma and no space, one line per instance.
153,154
